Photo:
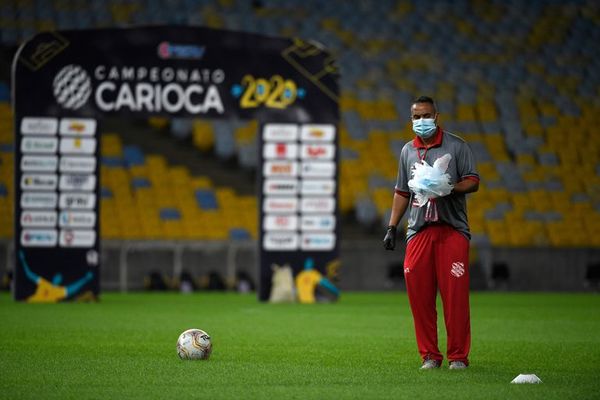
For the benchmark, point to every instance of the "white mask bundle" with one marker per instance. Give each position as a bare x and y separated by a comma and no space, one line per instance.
429,182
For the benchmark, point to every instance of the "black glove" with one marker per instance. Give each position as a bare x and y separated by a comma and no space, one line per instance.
389,241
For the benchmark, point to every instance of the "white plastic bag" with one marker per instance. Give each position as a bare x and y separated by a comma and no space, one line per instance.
430,182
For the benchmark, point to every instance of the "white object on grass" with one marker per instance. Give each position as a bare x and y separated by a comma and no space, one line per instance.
526,378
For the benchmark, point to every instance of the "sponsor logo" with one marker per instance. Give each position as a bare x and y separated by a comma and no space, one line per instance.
317,223
314,169
72,87
458,269
38,182
77,146
39,145
38,237
77,164
280,150
77,219
317,151
41,49
280,204
77,126
77,238
280,132
317,205
77,182
280,168
38,200
317,133
280,186
77,201
318,187
280,241
280,222
38,218
39,126
317,241
168,50
39,163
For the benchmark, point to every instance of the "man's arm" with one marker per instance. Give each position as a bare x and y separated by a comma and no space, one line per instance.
466,186
399,206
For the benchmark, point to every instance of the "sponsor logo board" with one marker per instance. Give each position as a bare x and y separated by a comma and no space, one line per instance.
72,87
317,151
280,132
317,241
77,146
317,205
280,150
39,163
280,187
77,238
317,223
280,205
38,218
317,169
77,219
317,133
38,200
77,201
77,164
39,237
39,126
280,168
280,241
77,182
317,187
38,182
288,222
39,145
77,127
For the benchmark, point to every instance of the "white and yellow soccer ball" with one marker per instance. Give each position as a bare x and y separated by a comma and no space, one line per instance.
194,344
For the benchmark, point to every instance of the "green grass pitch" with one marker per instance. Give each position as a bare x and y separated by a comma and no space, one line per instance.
363,347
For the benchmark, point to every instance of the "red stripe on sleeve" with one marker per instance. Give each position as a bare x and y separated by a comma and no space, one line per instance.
402,193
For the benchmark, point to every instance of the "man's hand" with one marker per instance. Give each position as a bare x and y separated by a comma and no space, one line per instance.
389,241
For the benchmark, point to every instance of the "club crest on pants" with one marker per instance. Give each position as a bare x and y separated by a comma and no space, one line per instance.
458,269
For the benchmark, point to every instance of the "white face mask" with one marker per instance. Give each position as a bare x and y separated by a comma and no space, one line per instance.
424,127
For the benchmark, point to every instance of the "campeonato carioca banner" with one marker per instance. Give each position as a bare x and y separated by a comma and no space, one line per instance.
65,83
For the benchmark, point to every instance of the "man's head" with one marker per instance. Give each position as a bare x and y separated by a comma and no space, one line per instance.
424,117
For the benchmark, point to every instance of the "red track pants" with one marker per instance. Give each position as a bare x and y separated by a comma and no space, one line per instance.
438,256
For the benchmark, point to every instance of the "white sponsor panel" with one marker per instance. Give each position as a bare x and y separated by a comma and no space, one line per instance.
317,187
39,126
77,201
38,218
317,241
287,222
77,164
39,145
77,127
317,205
317,133
318,169
77,238
77,182
39,182
317,223
317,151
280,132
284,187
39,163
38,200
77,146
280,150
77,219
280,168
280,241
280,204
38,237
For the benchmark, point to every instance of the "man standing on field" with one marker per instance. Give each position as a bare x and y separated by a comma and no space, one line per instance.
437,251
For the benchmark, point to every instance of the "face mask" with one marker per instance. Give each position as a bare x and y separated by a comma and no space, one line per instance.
424,127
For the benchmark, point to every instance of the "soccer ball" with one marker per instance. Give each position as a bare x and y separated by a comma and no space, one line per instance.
194,344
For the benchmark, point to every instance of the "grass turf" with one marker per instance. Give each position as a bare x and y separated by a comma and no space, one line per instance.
362,347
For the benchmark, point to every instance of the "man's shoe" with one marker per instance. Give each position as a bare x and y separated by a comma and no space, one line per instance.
457,365
430,364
